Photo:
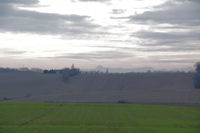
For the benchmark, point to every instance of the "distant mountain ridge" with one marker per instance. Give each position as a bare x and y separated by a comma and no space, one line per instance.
101,68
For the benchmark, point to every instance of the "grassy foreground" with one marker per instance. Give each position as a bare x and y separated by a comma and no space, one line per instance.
97,118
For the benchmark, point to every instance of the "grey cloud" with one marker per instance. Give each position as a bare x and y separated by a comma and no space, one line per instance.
152,48
181,34
184,58
24,2
188,0
94,0
104,55
174,48
178,56
186,13
118,11
15,20
177,61
170,41
6,51
169,37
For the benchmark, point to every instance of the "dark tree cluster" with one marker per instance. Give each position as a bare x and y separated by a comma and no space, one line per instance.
8,70
197,76
49,71
68,73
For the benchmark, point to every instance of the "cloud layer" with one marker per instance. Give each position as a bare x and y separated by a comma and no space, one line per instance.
24,2
174,27
94,0
13,19
169,31
102,55
185,13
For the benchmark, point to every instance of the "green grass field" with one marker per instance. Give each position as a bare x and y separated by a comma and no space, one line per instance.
97,118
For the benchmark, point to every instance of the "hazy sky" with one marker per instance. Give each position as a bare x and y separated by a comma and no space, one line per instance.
113,33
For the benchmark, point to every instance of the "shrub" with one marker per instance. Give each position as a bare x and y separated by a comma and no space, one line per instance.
68,73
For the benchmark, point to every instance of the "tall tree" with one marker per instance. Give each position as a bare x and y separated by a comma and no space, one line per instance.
197,76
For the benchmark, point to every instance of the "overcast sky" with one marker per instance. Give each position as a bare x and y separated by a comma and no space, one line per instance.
87,33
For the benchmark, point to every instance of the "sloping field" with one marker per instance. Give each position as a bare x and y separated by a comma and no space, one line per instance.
94,87
97,118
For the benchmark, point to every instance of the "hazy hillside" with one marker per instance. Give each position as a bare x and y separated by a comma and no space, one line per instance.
25,84
131,87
